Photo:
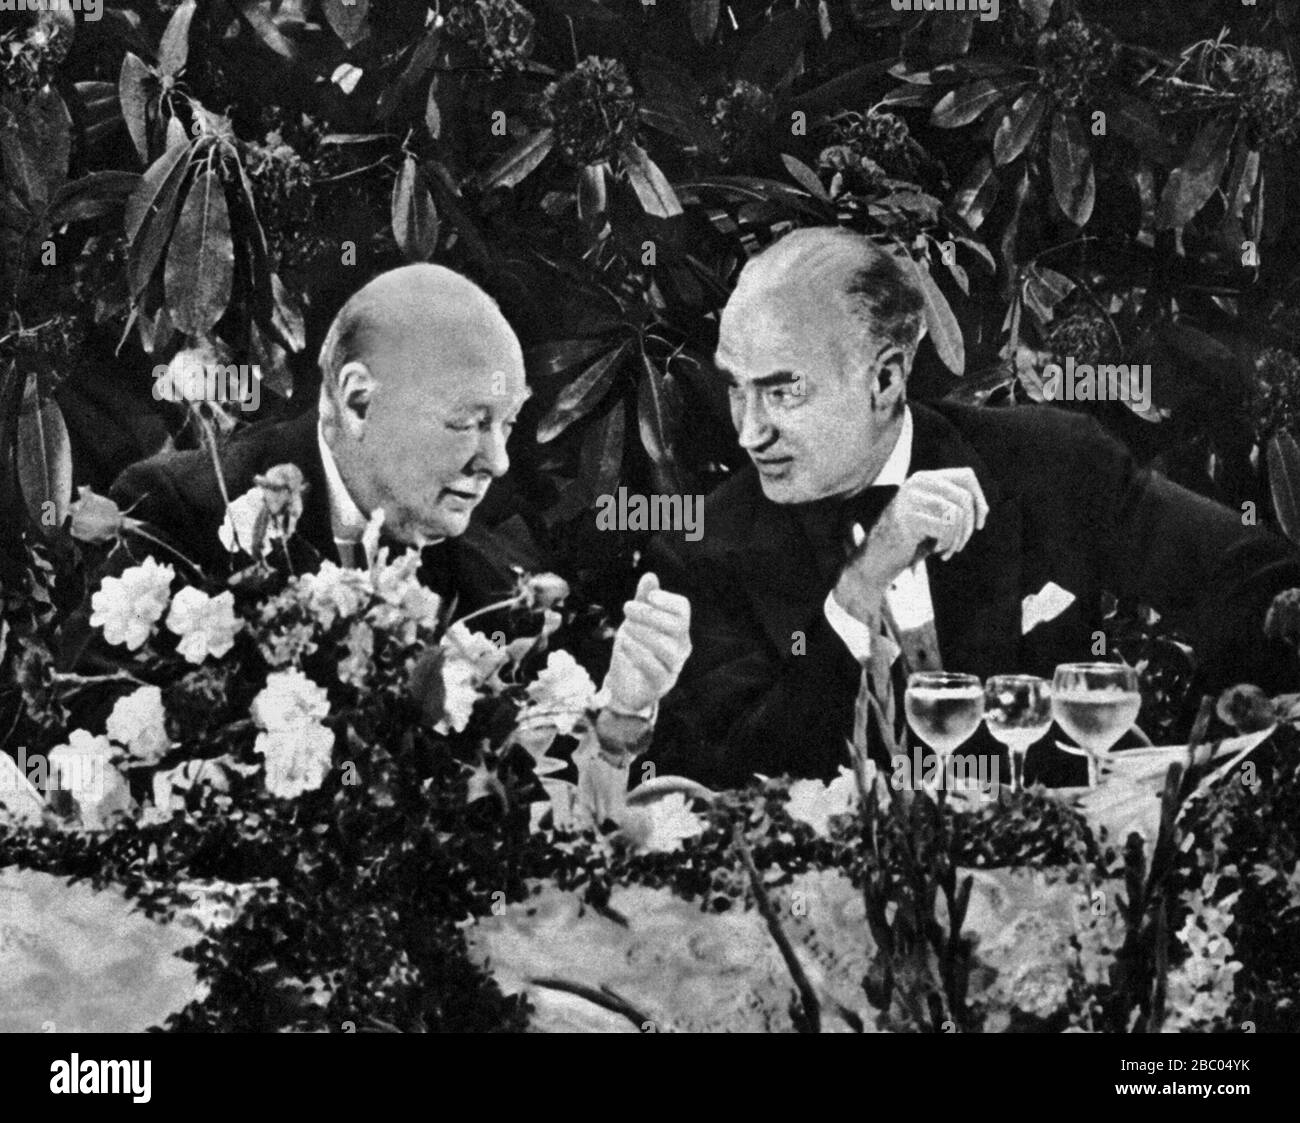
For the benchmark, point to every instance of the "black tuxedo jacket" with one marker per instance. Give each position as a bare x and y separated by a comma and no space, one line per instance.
770,688
177,493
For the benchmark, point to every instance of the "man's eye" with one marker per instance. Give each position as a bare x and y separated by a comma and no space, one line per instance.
781,395
460,426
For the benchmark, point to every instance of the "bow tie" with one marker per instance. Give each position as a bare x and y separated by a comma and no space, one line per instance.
829,524
864,509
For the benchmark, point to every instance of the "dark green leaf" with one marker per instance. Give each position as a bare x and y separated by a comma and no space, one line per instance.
1020,125
978,194
1072,174
910,95
92,195
704,19
548,359
35,140
940,322
348,19
578,398
1284,482
265,17
517,164
136,84
774,50
1193,182
422,58
968,103
414,217
200,266
659,421
592,196
432,114
652,188
270,358
602,452
1139,124
286,315
805,177
44,456
150,212
175,49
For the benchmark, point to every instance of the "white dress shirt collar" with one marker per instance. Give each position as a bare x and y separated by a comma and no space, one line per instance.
896,467
347,520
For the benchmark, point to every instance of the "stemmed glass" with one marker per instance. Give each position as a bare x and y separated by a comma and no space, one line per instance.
1096,704
1018,712
943,708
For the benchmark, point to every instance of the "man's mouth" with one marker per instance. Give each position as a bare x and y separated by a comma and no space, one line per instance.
459,493
772,465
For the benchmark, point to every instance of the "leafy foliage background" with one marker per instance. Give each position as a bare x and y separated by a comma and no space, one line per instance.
221,174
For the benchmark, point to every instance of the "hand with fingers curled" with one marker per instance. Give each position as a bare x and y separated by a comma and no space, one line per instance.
934,512
650,648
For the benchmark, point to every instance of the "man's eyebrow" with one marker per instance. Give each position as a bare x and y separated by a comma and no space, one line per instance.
776,378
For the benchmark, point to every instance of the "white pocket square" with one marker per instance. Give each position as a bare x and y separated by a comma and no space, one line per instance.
1046,604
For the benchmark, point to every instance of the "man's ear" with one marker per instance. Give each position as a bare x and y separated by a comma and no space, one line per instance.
889,381
356,388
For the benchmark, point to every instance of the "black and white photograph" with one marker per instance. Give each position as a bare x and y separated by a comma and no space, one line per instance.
651,516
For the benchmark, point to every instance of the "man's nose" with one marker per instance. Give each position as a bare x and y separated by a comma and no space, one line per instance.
753,425
491,456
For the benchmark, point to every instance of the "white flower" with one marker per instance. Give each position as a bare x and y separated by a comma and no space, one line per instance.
138,724
275,500
128,607
335,592
460,692
469,660
206,625
81,766
562,692
662,824
290,700
238,529
395,580
356,666
814,802
473,647
297,759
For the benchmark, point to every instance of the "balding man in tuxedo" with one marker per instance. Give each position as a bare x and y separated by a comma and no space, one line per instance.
973,539
422,380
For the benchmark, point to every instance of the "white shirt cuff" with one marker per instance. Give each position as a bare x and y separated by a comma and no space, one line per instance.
855,634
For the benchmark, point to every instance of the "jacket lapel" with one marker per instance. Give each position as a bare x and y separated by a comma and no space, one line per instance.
784,569
976,595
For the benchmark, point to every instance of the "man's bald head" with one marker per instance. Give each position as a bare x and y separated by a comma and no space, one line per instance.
416,306
422,381
814,270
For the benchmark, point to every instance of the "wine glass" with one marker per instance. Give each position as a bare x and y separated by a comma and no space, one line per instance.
1096,704
1018,712
943,708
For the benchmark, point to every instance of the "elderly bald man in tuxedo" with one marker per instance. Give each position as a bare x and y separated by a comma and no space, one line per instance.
975,539
422,380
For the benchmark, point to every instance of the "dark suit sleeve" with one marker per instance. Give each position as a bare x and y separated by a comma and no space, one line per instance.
1195,561
742,705
148,492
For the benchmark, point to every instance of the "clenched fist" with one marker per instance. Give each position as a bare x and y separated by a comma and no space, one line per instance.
933,512
650,647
